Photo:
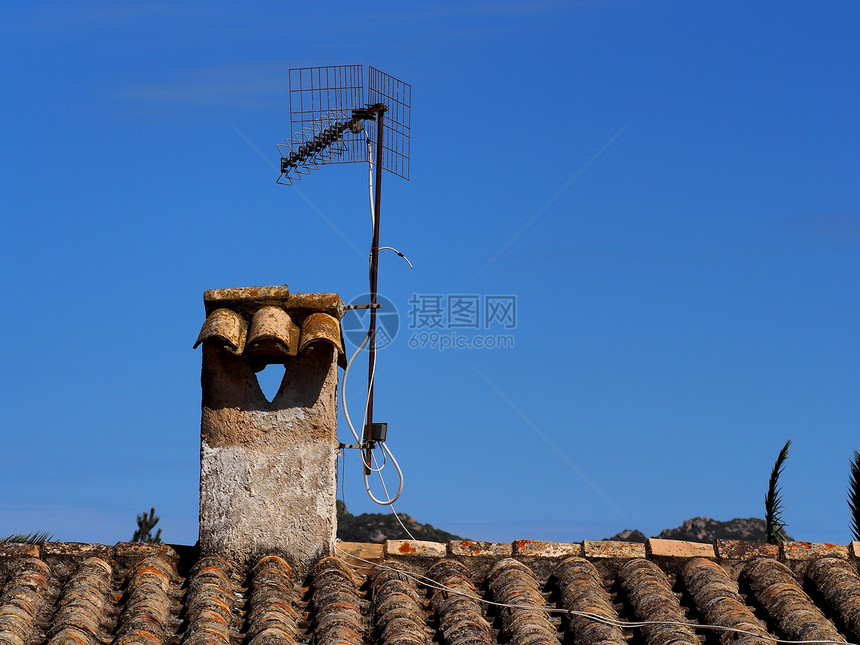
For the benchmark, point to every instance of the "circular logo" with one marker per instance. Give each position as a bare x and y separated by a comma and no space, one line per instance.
356,322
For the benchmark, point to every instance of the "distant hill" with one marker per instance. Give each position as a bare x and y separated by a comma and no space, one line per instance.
705,529
378,527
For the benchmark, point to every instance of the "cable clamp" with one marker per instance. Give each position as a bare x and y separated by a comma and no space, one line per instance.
357,446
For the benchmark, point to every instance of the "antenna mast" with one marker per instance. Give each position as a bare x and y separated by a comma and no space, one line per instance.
329,119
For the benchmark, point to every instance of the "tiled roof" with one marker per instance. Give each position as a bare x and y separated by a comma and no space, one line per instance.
405,592
270,324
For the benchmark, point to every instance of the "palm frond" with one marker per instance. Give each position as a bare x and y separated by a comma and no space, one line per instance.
775,527
854,495
28,538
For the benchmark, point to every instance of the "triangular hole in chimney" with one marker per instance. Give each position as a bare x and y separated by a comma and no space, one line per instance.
269,379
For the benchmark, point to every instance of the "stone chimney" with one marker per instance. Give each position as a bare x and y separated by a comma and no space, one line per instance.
268,469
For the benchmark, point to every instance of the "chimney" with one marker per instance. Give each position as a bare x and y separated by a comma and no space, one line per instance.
268,469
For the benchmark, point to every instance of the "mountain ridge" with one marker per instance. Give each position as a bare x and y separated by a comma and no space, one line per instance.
378,527
705,529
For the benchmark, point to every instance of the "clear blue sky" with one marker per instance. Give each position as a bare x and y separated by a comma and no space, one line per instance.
684,306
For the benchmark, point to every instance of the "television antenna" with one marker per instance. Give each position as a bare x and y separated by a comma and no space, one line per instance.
332,124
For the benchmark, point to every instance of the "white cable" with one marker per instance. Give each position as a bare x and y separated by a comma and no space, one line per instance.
621,624
391,248
343,387
385,449
399,521
389,500
344,403
388,495
370,181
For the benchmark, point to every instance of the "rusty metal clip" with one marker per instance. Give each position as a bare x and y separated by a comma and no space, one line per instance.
357,446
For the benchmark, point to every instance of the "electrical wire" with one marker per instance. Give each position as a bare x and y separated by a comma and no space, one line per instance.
388,501
391,248
621,624
346,407
387,453
370,180
343,387
388,495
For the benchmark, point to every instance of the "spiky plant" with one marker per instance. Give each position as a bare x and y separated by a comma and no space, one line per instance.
145,524
854,495
775,528
28,538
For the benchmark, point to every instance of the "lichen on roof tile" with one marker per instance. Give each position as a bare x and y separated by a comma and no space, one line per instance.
778,591
83,605
717,599
838,583
336,606
582,592
209,603
269,324
225,326
23,598
271,618
272,333
319,327
143,595
398,611
650,593
523,609
459,614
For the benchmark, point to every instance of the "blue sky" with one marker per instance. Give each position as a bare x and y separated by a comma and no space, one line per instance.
686,304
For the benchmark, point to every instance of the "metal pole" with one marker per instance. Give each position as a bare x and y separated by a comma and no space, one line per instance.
374,271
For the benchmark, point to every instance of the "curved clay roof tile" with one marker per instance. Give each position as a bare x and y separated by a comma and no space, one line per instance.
272,333
226,326
320,327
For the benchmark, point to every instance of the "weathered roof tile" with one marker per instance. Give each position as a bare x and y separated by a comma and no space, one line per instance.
542,549
657,548
782,597
811,550
227,327
610,549
582,592
476,548
650,593
717,599
395,548
523,613
148,595
744,550
269,324
23,598
398,610
458,611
